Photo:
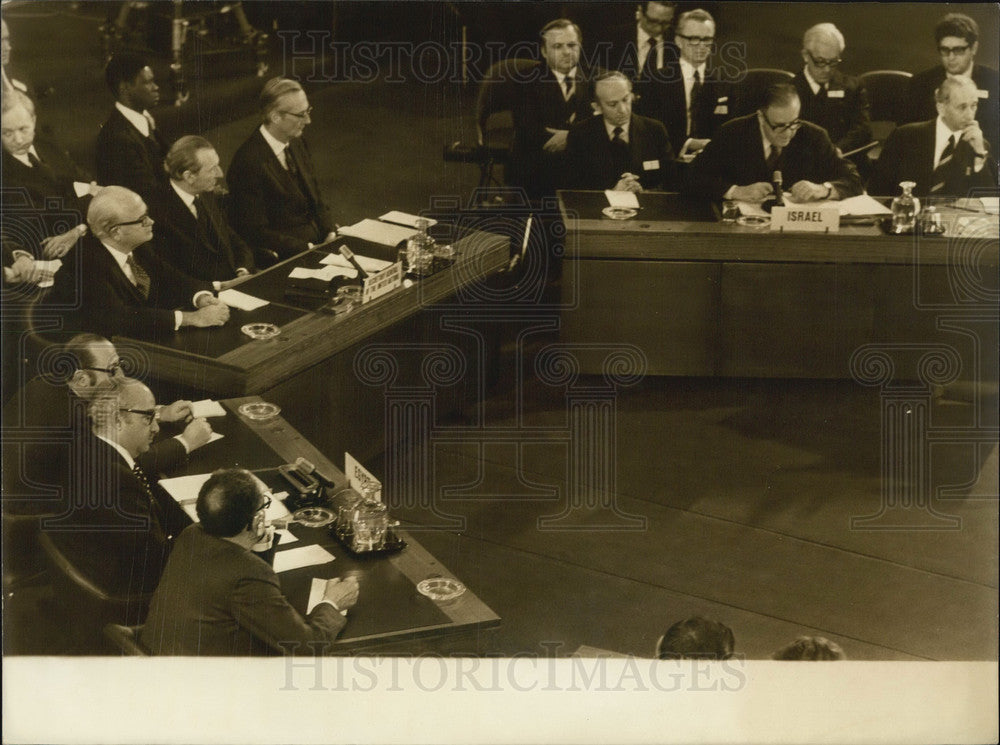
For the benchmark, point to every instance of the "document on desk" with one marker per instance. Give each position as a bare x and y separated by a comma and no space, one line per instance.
365,262
240,300
206,408
325,274
184,490
375,231
626,199
316,592
861,206
296,558
405,218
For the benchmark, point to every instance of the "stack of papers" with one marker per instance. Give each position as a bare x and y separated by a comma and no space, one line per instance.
383,233
365,262
240,300
324,274
206,408
405,218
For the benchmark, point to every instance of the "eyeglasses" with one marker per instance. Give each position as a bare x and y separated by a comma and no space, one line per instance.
150,415
822,61
113,369
791,126
948,51
301,114
267,502
706,40
657,22
144,220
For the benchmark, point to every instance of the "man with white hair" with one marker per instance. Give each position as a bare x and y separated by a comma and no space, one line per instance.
835,101
946,156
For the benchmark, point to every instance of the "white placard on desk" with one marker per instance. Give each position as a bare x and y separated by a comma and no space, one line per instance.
357,474
241,300
805,219
625,199
381,283
375,231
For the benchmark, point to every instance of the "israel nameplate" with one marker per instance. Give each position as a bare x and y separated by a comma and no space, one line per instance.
805,219
378,284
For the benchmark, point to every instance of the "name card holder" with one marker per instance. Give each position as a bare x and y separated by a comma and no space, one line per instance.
378,284
801,219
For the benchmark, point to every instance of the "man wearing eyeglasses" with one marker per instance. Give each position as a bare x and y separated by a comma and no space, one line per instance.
957,38
120,285
639,48
275,200
52,406
830,99
113,531
216,598
740,161
689,97
130,149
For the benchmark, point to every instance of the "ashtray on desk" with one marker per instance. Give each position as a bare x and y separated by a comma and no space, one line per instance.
261,331
753,221
314,517
258,411
441,588
619,213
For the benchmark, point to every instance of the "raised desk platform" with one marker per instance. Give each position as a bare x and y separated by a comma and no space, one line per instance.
701,298
390,611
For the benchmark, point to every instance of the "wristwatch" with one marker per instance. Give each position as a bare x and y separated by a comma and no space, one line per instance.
829,189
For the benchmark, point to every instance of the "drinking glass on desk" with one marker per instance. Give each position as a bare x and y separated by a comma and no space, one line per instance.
730,211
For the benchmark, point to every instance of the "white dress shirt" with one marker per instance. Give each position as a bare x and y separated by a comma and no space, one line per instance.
642,48
610,129
23,157
138,119
276,145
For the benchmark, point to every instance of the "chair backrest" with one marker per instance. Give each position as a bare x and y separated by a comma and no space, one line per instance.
748,94
887,90
126,639
498,92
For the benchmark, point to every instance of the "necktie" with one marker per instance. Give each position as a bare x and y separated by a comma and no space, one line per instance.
773,160
141,278
821,94
948,151
568,83
650,63
204,220
941,172
696,87
141,475
33,159
152,123
155,518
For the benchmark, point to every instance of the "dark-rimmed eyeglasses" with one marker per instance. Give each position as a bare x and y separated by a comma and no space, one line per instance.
266,504
697,39
791,126
300,114
657,22
822,61
113,369
948,51
150,415
144,220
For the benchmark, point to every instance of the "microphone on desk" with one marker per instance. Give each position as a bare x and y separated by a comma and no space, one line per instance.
779,194
349,255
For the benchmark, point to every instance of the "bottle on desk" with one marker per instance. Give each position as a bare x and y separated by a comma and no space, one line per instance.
905,209
419,250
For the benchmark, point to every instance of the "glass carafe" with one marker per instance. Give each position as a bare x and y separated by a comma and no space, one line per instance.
905,209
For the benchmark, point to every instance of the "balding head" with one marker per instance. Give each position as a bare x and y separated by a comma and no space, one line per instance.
118,217
123,410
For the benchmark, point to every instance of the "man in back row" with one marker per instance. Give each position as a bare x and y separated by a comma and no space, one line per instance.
740,162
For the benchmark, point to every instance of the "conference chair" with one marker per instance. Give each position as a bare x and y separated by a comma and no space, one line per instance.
126,639
887,100
748,94
495,103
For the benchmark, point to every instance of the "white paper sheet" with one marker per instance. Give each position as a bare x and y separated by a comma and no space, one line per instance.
405,218
378,232
295,558
324,274
52,265
206,408
365,262
860,206
626,199
81,189
237,299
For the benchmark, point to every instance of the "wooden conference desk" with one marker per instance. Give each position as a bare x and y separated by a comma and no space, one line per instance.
224,361
389,609
703,298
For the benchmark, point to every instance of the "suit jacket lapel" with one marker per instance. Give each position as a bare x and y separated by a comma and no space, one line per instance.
118,276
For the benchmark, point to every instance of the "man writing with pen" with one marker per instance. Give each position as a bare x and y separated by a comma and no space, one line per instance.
618,149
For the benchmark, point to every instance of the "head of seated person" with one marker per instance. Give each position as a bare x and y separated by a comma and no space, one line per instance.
231,505
132,82
284,109
817,648
17,123
88,360
192,164
118,217
957,37
124,411
696,638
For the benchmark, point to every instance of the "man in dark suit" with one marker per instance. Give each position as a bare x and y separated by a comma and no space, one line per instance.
119,283
946,156
216,598
10,83
640,49
38,174
275,199
193,234
130,149
830,99
740,161
547,106
957,38
49,413
618,149
112,531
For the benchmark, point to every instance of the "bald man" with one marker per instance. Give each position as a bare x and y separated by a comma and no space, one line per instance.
946,156
122,286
